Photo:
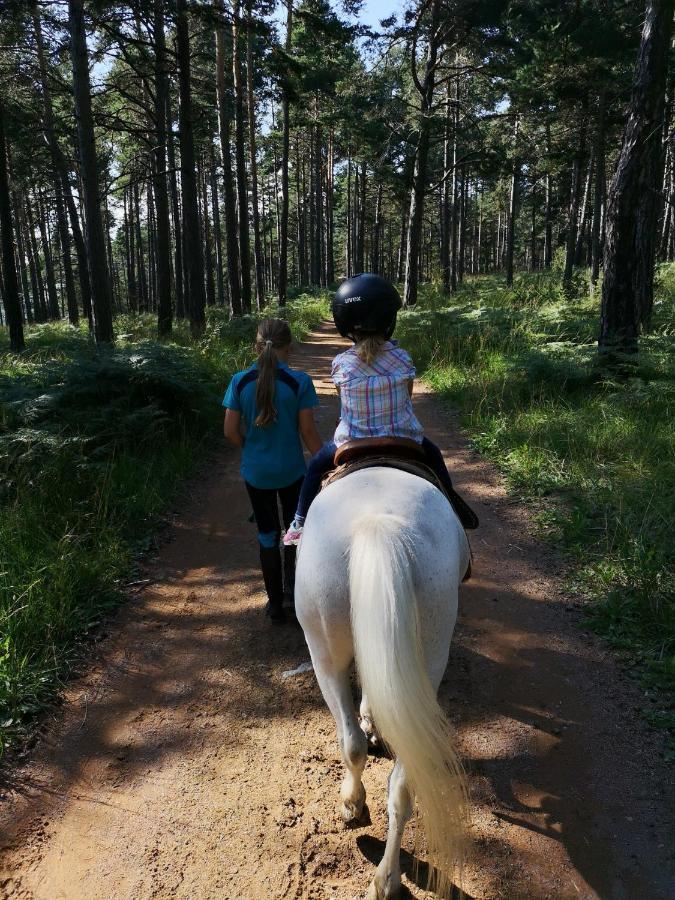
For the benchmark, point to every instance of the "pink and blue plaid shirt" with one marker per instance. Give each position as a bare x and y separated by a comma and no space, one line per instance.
374,398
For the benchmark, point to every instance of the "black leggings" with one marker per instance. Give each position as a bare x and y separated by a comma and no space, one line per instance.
266,510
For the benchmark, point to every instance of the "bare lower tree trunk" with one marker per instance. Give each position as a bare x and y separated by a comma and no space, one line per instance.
224,124
217,236
426,91
163,260
627,289
575,196
52,298
95,238
175,214
548,224
242,186
599,193
377,232
285,137
513,199
193,256
22,259
10,288
446,215
250,98
579,249
330,261
348,229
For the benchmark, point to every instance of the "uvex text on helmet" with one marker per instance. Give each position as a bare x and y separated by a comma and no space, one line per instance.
366,304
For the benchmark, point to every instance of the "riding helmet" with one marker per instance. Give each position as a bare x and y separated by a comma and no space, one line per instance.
366,304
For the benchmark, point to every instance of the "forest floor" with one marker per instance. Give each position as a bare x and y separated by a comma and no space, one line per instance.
184,764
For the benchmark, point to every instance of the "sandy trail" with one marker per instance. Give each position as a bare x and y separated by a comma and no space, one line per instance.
183,765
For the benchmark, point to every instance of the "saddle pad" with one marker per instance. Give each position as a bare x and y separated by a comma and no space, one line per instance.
466,515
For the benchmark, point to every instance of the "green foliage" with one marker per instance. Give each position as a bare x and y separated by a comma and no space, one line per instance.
597,454
93,443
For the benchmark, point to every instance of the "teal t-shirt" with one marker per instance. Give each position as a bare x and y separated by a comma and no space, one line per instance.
272,455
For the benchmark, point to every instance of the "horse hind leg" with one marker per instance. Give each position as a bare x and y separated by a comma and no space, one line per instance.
387,880
336,689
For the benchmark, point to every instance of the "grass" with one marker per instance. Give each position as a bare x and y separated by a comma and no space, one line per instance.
596,452
93,444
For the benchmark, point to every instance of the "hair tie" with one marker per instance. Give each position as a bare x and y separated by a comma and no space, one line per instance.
268,344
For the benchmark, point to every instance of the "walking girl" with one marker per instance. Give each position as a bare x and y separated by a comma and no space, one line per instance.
269,414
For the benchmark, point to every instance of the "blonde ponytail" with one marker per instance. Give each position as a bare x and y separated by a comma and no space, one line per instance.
369,347
273,335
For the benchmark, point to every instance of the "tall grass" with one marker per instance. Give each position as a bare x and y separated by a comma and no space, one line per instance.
596,451
93,443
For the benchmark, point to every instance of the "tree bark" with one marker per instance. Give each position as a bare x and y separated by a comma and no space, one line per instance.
282,280
217,235
225,121
52,298
25,288
178,277
163,244
10,288
242,186
193,252
599,193
250,98
627,289
64,235
426,90
575,196
95,238
513,199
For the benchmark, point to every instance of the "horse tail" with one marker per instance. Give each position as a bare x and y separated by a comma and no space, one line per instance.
391,666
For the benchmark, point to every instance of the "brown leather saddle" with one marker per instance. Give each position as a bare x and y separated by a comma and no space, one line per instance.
396,453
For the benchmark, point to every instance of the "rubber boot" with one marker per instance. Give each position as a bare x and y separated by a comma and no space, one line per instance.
289,577
270,561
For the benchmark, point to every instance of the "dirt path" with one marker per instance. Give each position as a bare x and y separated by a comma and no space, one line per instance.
184,765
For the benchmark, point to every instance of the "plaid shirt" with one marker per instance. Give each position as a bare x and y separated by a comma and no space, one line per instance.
375,401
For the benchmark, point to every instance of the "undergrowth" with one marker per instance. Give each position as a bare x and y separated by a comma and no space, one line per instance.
93,444
521,365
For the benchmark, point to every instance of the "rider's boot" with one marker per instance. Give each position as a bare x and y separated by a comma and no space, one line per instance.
270,560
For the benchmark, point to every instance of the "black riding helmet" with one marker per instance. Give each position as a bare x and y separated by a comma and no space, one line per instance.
366,304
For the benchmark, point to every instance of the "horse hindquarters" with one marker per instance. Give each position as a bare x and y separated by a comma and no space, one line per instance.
394,672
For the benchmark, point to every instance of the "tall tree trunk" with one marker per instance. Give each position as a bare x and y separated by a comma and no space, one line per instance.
250,98
193,255
348,228
285,138
426,91
64,236
163,257
361,243
627,288
575,197
217,236
302,218
462,226
52,298
445,216
130,247
513,200
25,287
579,249
548,201
377,232
533,223
206,235
140,255
242,186
599,192
59,166
95,238
330,164
224,123
41,313
10,288
175,214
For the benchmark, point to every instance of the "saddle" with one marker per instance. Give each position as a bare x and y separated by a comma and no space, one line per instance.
396,453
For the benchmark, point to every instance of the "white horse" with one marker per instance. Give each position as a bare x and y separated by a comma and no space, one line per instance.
378,572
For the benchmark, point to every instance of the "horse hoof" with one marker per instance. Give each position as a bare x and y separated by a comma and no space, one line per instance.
350,810
377,892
